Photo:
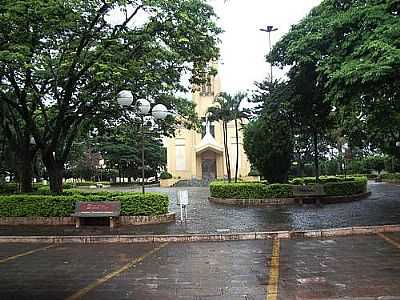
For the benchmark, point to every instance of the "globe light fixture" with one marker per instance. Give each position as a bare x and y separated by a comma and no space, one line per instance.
124,98
159,112
397,144
143,106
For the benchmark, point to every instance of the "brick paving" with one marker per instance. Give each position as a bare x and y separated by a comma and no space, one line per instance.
382,207
362,268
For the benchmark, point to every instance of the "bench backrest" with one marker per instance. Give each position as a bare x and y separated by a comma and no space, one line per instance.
98,208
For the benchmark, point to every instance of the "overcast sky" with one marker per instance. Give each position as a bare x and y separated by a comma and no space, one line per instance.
244,47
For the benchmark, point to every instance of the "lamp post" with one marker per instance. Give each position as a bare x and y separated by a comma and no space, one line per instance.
269,29
159,112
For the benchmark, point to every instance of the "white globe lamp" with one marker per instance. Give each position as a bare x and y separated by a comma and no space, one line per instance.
159,112
124,98
143,106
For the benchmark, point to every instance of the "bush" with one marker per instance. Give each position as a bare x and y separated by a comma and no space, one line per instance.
165,175
390,177
249,190
357,186
132,204
257,190
322,179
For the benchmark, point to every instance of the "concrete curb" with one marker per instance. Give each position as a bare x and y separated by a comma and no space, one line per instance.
179,238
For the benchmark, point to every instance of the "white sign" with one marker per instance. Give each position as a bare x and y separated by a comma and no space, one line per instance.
183,198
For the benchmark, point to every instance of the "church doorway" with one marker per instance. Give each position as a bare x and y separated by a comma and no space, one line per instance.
209,166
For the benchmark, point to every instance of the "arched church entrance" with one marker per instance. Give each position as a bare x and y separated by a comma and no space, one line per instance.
209,165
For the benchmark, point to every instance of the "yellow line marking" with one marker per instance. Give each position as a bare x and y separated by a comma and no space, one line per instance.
25,253
273,281
389,240
82,292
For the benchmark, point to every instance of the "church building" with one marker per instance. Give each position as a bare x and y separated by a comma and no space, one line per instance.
193,155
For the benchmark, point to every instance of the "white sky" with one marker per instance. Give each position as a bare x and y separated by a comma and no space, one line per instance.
244,46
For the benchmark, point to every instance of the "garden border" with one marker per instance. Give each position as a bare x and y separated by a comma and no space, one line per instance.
56,221
289,200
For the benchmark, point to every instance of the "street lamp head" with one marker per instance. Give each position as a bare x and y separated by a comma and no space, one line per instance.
32,141
270,28
143,106
124,98
159,112
397,144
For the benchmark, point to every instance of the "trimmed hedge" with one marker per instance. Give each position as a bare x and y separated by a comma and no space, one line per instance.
249,190
322,179
257,190
165,175
357,186
390,176
132,204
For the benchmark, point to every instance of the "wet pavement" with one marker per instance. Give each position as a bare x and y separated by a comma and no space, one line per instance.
382,207
362,268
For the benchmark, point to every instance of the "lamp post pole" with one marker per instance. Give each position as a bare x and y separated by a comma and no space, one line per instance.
269,29
142,120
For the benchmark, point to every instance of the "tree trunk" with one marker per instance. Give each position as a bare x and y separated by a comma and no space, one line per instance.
55,169
237,150
24,159
316,161
227,160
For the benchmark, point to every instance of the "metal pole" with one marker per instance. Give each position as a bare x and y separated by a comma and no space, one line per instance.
142,119
270,49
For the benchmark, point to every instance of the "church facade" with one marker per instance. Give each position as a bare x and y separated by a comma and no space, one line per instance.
201,156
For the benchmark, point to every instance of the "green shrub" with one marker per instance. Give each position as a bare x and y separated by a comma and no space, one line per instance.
257,190
322,179
249,190
165,175
132,204
390,176
357,186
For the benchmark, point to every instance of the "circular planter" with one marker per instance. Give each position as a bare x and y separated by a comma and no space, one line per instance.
288,201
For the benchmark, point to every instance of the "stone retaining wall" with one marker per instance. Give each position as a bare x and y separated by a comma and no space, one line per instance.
288,201
123,220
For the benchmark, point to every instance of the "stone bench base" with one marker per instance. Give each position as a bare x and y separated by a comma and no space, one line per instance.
122,220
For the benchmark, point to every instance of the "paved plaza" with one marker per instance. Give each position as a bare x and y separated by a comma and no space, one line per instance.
361,267
382,207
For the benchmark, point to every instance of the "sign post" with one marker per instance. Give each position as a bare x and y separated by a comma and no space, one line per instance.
183,201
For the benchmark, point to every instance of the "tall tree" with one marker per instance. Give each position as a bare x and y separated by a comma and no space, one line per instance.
268,139
222,111
354,48
63,62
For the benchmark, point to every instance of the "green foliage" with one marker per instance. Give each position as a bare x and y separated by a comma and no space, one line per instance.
165,175
395,177
63,62
322,179
249,190
352,49
357,186
132,204
268,140
333,186
268,147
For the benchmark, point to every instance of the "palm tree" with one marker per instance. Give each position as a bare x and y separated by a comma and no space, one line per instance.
237,114
228,109
222,112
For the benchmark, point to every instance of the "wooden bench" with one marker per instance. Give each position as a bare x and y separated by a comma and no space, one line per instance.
97,209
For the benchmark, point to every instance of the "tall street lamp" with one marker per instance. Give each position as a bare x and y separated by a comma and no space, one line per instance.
269,29
159,112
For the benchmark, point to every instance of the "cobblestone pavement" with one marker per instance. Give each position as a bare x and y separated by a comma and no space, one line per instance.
362,268
382,207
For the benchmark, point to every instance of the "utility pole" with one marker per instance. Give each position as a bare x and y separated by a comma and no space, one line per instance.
269,29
